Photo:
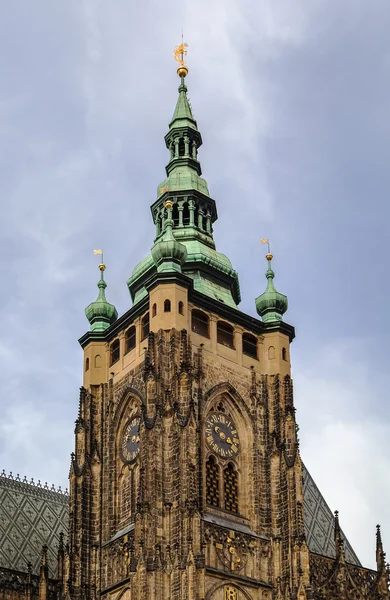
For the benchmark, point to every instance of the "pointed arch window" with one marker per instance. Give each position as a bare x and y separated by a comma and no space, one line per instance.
212,482
145,326
115,351
167,305
249,345
154,310
130,338
230,488
181,308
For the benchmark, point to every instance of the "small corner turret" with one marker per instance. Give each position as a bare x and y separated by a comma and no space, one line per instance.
101,314
271,305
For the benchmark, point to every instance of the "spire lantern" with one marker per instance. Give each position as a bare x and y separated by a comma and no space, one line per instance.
271,305
101,314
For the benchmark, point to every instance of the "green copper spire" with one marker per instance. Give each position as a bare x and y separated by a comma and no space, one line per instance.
184,214
271,305
183,117
167,253
101,314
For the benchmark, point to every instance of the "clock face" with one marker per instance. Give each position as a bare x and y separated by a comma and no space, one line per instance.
130,440
222,435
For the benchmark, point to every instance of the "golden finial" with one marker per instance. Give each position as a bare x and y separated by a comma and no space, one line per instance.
179,53
102,266
168,204
268,256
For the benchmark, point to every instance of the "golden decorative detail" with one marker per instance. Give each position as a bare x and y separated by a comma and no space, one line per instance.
179,53
231,593
269,256
168,204
266,241
99,252
164,189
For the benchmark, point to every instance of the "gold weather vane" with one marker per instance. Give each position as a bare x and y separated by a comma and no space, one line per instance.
99,252
179,53
266,241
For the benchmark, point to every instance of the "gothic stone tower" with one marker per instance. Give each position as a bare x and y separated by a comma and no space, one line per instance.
186,481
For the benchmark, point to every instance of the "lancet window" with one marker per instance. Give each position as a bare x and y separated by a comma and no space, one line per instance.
212,482
230,488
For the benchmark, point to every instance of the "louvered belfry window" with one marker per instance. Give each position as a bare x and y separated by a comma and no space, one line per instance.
212,482
230,488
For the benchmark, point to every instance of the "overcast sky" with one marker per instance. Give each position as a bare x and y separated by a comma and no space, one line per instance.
292,100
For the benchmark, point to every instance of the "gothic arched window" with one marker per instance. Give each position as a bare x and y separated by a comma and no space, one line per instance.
181,308
130,338
167,305
284,354
200,323
154,310
115,352
145,326
230,488
249,345
87,364
212,482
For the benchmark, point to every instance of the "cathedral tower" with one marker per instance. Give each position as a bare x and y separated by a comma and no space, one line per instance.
186,481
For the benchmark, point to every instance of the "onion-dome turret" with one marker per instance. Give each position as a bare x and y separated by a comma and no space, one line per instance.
167,253
101,314
271,305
